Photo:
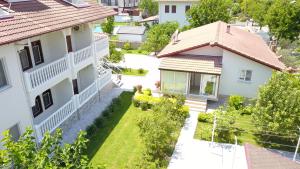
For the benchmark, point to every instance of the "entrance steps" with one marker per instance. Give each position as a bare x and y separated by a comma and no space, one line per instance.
196,105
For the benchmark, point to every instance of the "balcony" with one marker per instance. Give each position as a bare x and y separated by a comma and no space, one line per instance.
82,57
62,114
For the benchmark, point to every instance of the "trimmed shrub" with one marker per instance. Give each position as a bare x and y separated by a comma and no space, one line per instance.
205,117
136,103
99,122
141,71
106,113
134,89
91,130
248,110
144,106
236,102
127,46
184,110
116,101
147,92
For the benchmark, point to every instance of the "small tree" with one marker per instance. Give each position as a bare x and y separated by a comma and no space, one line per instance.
108,26
49,154
159,36
208,11
283,19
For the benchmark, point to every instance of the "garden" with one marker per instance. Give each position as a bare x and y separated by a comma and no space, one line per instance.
271,120
136,131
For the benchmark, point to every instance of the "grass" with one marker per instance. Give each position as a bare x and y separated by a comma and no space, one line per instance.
243,123
134,72
135,51
121,23
118,144
114,37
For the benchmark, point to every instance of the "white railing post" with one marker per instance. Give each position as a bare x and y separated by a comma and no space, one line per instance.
213,129
297,147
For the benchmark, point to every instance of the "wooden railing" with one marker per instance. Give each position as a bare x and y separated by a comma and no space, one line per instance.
42,75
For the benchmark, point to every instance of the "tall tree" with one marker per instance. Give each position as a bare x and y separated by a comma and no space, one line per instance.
208,11
278,106
283,19
149,7
159,36
256,9
24,153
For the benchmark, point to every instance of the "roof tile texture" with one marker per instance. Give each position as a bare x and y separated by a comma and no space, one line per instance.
238,41
35,17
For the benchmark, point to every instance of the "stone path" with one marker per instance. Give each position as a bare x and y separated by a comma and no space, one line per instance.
95,111
190,153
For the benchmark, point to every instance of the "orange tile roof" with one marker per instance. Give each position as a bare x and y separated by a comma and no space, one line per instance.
187,63
261,158
36,17
237,41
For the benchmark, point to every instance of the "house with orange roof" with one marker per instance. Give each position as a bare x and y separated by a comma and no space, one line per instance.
216,60
49,69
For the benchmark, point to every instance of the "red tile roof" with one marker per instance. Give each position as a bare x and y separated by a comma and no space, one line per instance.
261,158
237,41
36,17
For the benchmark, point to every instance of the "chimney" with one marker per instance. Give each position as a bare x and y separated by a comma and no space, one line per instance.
228,29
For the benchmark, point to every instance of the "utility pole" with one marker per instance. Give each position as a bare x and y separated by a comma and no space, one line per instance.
297,147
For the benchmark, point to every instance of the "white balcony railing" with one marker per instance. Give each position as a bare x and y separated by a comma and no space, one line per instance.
87,93
82,55
77,101
56,119
42,75
101,45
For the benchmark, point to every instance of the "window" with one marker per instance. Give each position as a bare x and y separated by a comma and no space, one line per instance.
187,7
167,8
3,78
25,58
173,8
75,86
15,132
37,52
246,75
47,98
37,109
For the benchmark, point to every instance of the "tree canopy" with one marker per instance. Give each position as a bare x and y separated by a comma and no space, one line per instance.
149,7
208,11
283,19
50,154
159,36
108,26
278,105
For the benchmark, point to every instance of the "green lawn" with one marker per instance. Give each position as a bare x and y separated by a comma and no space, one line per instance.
121,23
135,51
134,72
243,123
118,144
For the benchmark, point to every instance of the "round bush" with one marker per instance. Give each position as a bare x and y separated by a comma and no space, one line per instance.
91,130
99,122
205,117
135,103
144,106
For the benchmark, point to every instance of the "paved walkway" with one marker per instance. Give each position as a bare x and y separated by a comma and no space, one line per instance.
95,111
190,153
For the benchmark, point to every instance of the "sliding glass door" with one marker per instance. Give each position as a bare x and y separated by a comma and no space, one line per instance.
209,85
174,82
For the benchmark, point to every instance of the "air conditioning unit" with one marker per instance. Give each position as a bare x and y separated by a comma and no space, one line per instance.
78,28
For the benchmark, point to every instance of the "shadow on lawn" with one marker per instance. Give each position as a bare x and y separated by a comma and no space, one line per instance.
110,123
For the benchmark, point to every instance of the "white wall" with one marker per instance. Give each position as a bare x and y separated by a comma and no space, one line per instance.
230,83
207,50
131,38
179,16
81,38
14,107
86,77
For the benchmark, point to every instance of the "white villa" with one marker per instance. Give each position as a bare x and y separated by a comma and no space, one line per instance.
216,59
49,63
120,3
174,10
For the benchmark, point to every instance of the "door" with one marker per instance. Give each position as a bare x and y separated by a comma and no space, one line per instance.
69,43
209,85
195,79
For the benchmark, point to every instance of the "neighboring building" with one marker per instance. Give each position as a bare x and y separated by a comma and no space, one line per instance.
48,62
152,20
216,59
174,10
121,3
132,33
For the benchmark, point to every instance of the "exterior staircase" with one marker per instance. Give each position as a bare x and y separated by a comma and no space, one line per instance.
196,104
106,65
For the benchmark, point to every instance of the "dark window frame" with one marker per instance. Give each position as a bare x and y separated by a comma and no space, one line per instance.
69,43
167,8
38,103
187,7
46,94
39,45
26,49
174,8
6,83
